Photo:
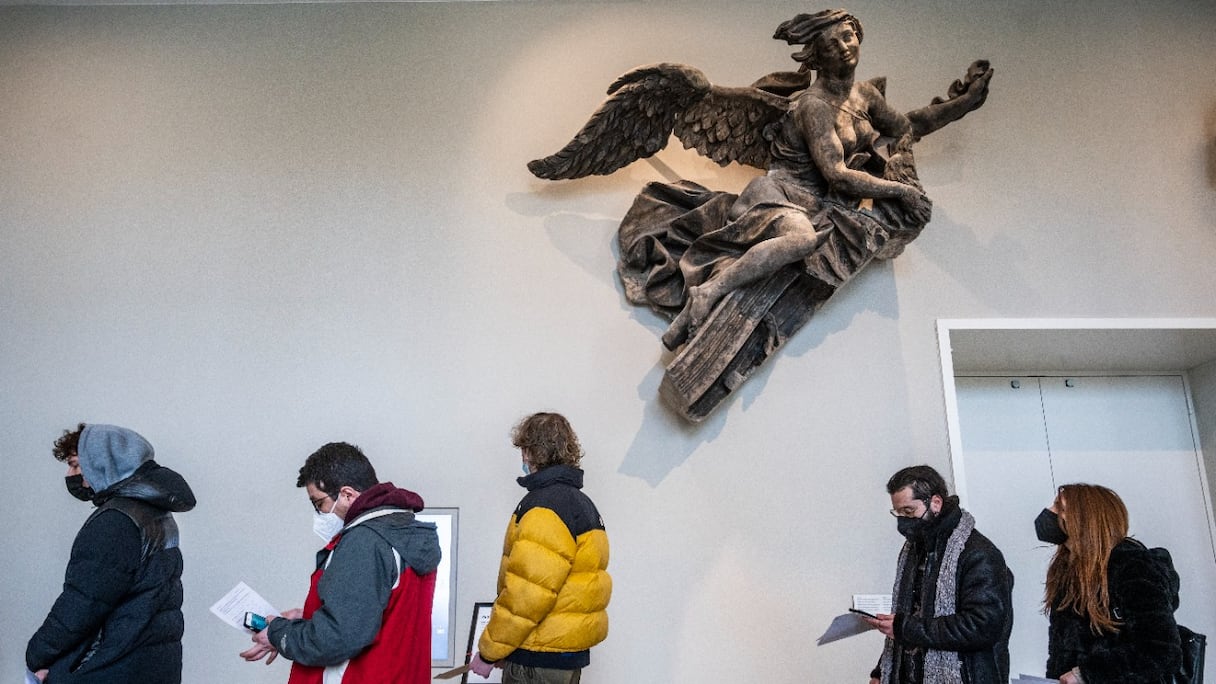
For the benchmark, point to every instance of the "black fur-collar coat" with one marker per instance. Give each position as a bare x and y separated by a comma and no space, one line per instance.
1145,650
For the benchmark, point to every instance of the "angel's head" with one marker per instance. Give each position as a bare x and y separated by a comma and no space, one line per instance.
809,30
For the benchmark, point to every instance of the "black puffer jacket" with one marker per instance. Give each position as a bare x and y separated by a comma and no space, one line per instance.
119,618
1146,649
983,619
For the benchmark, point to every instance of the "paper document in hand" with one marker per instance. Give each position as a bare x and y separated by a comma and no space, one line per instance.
874,604
843,627
240,600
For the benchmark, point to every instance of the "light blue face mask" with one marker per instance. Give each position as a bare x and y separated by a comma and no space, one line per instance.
526,470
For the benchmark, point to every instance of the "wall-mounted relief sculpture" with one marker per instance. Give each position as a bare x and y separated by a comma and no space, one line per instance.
739,274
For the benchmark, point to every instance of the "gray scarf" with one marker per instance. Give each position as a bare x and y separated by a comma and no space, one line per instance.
941,667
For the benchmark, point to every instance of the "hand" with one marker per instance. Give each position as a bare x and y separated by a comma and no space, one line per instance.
293,614
261,648
480,667
974,86
917,204
40,675
1073,676
883,623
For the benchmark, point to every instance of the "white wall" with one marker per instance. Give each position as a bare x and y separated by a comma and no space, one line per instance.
248,230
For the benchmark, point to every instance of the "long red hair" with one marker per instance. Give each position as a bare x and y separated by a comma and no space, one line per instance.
1095,520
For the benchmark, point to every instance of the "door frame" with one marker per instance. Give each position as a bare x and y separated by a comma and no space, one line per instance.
1093,358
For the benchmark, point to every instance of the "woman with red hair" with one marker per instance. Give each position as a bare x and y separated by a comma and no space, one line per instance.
1110,600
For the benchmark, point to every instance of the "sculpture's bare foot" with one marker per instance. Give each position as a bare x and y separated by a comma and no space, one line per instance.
697,307
678,332
700,304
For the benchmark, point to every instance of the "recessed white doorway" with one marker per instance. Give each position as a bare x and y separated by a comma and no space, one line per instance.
1036,404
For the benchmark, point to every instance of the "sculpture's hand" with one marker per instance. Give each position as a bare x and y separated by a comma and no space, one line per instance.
972,90
918,205
964,96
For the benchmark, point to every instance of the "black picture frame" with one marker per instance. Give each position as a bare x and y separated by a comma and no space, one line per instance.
481,616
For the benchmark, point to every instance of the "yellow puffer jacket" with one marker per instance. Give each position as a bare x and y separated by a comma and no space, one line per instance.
553,583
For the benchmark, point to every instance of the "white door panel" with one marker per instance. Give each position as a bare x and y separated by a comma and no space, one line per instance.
1131,434
1008,482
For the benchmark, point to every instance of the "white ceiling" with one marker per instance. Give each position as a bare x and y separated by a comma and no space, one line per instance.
1081,350
99,3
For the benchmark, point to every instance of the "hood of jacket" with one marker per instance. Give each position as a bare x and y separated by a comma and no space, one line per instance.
417,542
153,484
384,494
108,454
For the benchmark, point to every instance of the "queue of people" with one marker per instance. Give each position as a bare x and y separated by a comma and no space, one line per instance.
366,618
1110,600
367,615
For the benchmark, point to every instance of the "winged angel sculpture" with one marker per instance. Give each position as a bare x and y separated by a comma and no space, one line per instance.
738,274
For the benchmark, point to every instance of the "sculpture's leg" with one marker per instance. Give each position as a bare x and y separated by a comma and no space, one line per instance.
742,331
796,239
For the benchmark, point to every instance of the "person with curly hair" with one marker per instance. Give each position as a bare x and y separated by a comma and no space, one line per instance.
1110,600
553,582
119,617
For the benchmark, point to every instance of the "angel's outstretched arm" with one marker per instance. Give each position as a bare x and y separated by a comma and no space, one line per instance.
966,96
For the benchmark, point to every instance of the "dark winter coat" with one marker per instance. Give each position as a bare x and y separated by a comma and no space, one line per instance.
983,619
1146,649
119,617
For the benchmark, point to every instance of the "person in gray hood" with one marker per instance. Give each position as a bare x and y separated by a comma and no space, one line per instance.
119,617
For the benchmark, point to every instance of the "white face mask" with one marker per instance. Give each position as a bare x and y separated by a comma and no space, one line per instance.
326,525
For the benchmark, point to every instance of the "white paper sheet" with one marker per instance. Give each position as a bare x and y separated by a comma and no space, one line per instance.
874,604
240,600
843,627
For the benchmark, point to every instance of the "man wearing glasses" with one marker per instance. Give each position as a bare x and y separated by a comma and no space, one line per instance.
367,618
952,600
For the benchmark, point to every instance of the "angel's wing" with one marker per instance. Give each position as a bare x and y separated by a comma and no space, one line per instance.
732,125
647,104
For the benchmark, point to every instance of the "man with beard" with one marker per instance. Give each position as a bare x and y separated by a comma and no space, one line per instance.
952,600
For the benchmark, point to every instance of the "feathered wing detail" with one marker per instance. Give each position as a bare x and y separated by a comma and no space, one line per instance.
732,125
647,104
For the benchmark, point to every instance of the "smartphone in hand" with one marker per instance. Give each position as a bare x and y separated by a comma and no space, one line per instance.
255,622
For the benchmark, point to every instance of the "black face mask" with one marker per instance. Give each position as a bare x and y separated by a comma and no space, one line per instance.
914,528
1047,527
75,485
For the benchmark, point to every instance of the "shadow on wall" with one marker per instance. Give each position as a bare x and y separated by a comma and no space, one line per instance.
1209,134
582,226
663,441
